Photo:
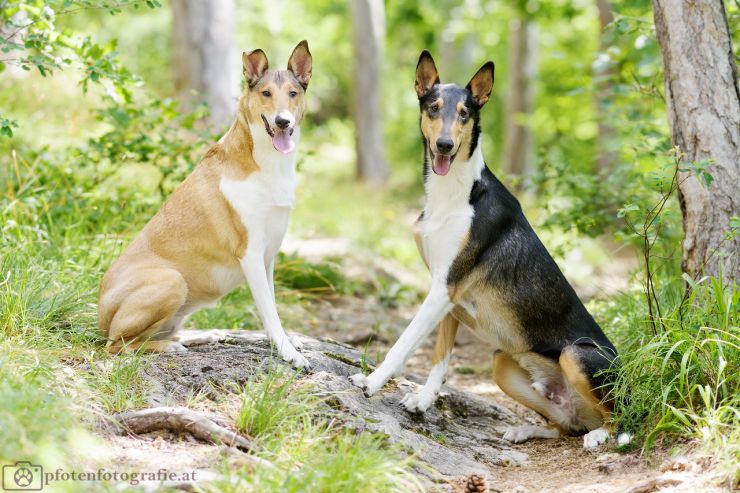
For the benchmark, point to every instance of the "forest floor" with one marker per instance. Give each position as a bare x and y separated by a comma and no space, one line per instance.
371,326
560,465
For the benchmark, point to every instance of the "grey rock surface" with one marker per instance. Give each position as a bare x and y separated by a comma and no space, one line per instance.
458,436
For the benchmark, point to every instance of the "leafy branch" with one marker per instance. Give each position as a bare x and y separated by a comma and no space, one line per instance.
30,37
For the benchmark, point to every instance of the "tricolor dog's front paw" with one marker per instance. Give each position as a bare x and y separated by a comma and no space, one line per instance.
417,402
367,383
359,380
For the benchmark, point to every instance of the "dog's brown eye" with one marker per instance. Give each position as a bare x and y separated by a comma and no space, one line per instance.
463,114
434,108
293,94
266,94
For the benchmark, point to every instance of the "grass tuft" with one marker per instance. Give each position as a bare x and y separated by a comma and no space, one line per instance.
684,381
309,450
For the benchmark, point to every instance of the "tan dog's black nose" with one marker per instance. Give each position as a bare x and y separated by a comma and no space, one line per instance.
281,122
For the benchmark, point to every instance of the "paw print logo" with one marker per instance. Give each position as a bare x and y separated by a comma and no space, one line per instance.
22,476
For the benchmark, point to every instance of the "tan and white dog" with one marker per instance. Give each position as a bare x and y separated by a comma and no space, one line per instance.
223,225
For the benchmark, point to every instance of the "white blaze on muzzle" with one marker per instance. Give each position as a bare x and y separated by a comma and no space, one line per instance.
282,139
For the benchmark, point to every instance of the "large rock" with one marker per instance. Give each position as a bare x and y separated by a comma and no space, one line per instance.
458,436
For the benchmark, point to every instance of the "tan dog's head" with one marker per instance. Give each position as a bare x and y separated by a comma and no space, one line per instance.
276,97
450,114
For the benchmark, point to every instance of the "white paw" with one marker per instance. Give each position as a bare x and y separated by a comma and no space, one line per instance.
367,383
519,434
296,359
624,439
596,437
417,402
175,347
296,342
359,380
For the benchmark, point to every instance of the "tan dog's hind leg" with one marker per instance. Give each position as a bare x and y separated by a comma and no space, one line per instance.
145,313
418,402
517,384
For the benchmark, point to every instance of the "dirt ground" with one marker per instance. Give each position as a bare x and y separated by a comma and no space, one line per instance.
560,465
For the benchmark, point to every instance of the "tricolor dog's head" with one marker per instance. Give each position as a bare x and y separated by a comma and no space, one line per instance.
450,114
276,97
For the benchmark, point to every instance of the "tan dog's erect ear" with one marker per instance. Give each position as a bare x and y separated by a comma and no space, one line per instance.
254,66
426,74
481,84
300,63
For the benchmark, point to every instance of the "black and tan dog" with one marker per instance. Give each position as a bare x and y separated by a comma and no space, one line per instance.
491,273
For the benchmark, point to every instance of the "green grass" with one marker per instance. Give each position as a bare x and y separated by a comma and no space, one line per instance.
272,405
683,381
310,450
60,231
118,382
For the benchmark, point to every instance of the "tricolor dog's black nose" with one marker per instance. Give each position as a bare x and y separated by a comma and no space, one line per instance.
444,145
282,122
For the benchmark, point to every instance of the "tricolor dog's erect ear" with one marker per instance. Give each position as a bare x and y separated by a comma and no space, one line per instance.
426,74
300,63
481,84
254,66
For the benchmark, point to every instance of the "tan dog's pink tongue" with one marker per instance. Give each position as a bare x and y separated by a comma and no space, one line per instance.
441,165
282,141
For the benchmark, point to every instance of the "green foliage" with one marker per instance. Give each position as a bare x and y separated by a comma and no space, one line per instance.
306,450
297,274
29,403
7,126
33,38
273,405
683,380
117,382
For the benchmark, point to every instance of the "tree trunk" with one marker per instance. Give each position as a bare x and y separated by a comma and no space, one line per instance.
703,101
204,59
456,56
607,155
368,18
518,151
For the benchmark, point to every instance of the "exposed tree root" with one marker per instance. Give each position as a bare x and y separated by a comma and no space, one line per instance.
180,419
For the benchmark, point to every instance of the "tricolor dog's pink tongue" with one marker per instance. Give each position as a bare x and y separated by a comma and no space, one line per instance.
441,165
282,142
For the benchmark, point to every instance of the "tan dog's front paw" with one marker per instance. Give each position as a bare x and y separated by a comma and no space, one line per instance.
296,342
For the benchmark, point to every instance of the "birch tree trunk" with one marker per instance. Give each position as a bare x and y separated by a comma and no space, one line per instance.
204,58
703,100
368,19
518,151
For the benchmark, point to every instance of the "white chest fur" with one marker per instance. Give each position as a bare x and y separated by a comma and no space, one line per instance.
264,199
448,213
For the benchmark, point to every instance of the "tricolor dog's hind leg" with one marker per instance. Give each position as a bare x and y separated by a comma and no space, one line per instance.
585,366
